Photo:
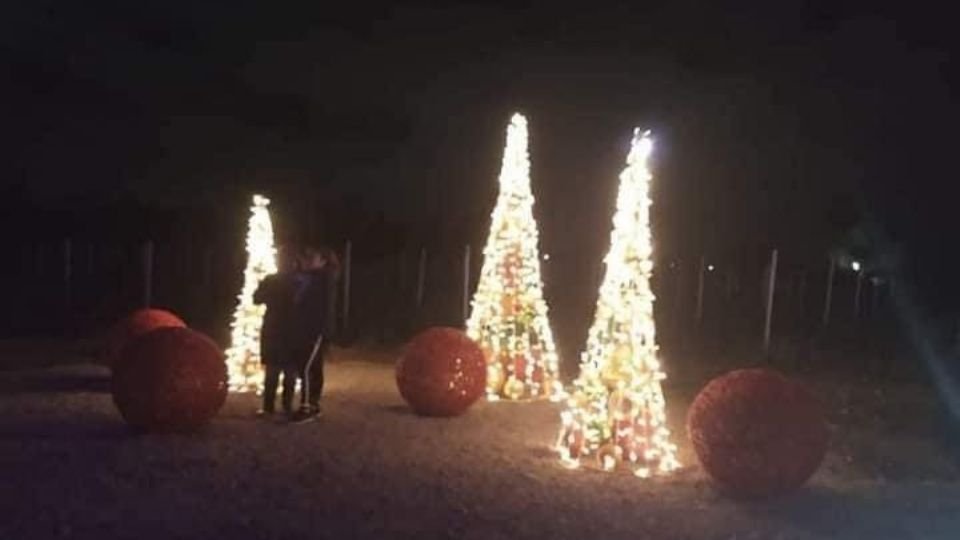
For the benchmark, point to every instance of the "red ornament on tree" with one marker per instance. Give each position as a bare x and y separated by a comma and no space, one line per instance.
757,433
171,379
133,326
441,372
537,375
520,366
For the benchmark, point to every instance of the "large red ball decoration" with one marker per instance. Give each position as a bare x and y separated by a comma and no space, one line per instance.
171,379
133,326
441,372
757,433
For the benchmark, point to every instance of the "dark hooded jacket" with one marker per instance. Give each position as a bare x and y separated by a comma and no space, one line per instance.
277,292
315,306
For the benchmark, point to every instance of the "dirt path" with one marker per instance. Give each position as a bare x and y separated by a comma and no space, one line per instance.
370,469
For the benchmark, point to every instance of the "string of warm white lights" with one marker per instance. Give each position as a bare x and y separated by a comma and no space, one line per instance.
243,356
509,316
615,416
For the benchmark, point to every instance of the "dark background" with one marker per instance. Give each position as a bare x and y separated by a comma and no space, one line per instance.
813,127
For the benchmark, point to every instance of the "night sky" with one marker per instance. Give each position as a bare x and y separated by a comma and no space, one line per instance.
782,123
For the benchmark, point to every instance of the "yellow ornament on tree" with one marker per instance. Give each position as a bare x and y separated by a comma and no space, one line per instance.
513,388
616,367
495,374
609,456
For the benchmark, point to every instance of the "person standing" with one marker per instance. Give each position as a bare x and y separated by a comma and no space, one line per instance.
315,322
276,292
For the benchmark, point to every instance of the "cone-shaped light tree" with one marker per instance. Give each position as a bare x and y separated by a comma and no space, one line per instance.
615,415
509,316
243,357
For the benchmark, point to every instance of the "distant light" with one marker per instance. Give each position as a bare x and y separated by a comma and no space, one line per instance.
711,268
855,266
546,256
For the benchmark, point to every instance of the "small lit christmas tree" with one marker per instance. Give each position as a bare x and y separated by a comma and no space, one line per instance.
509,314
243,356
615,416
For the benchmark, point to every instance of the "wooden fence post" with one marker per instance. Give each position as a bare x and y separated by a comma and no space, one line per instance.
771,288
700,278
678,297
856,294
828,297
465,308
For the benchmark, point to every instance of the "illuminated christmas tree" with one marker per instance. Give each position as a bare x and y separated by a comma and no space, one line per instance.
615,415
509,315
243,356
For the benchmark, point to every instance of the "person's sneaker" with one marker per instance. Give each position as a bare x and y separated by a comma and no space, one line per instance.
305,415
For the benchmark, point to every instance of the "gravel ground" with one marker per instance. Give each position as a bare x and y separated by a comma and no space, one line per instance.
370,469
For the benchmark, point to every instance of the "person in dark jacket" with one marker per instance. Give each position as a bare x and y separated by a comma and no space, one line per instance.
276,292
314,323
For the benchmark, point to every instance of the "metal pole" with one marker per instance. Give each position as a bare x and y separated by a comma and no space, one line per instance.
700,291
421,277
148,273
856,295
347,266
828,298
771,287
466,283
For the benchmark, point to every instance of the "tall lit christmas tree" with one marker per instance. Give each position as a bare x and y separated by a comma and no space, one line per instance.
243,356
615,416
509,314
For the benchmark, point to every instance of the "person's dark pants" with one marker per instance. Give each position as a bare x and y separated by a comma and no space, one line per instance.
270,382
313,377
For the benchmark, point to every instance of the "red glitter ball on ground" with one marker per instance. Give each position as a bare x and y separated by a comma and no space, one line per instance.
171,379
133,326
757,433
441,372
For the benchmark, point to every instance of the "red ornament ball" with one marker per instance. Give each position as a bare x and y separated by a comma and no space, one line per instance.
757,433
171,379
133,326
441,372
